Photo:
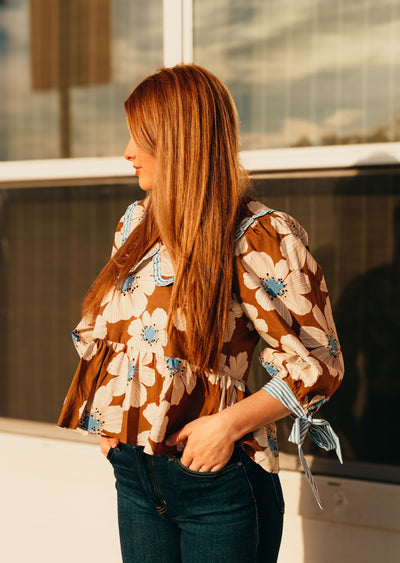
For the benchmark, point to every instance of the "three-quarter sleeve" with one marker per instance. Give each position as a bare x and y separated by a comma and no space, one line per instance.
282,291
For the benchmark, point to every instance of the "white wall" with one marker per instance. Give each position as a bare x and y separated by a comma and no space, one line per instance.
58,505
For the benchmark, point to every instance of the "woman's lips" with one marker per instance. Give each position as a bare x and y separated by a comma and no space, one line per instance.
137,170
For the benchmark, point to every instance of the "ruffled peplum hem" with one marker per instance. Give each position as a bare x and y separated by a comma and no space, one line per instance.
141,398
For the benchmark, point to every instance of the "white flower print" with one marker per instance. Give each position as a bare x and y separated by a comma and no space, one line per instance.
235,312
295,360
259,324
266,436
241,245
323,287
297,254
284,224
90,351
276,286
156,415
142,438
86,333
303,366
132,378
323,341
237,366
123,369
100,328
292,344
256,206
136,394
178,377
101,417
149,333
131,299
180,321
229,378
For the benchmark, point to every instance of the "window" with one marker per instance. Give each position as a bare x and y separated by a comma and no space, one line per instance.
67,68
353,221
307,72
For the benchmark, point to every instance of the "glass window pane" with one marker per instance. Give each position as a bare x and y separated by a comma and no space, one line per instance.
353,224
65,71
305,72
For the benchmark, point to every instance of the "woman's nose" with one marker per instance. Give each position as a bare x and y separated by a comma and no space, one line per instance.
129,153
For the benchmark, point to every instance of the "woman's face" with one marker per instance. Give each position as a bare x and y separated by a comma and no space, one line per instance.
143,163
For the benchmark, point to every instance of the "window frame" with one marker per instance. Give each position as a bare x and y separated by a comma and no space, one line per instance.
25,173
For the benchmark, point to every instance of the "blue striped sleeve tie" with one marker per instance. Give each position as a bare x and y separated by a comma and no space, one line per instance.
320,430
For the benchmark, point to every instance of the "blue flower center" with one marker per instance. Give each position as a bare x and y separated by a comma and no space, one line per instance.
92,422
173,365
272,369
274,287
131,370
333,346
130,284
150,334
75,336
273,444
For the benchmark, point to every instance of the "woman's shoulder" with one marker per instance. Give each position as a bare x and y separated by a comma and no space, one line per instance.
133,215
258,220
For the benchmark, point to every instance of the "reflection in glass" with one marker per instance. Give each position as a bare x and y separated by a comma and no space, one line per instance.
305,72
354,232
65,70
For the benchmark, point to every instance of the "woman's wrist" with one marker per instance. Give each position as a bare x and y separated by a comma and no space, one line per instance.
251,413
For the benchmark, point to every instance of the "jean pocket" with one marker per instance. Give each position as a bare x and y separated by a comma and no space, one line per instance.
110,454
111,451
276,483
232,464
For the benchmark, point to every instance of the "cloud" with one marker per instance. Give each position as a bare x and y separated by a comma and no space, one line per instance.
342,118
292,130
295,39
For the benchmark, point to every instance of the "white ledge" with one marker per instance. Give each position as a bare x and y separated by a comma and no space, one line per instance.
320,158
65,168
303,158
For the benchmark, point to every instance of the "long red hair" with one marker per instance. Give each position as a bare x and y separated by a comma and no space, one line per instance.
185,117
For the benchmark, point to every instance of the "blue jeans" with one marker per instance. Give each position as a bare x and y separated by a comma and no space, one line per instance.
168,513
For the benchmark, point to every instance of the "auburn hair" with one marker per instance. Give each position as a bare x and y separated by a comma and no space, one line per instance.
185,117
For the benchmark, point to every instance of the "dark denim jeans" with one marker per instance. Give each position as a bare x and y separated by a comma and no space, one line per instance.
168,513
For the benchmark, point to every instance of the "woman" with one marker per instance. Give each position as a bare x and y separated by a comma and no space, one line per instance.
199,272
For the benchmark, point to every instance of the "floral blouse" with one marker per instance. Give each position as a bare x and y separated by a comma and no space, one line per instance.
134,384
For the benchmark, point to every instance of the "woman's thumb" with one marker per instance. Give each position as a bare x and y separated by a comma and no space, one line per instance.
177,437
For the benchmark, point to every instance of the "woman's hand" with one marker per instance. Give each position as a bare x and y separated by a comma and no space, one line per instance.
209,443
211,439
107,443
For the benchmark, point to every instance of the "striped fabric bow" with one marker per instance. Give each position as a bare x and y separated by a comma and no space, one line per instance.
319,429
322,434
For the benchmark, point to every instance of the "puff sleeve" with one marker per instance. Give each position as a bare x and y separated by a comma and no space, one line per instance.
85,334
282,291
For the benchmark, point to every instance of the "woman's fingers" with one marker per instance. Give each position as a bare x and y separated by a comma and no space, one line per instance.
177,437
106,443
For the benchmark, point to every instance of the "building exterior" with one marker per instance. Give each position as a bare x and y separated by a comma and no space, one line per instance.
317,86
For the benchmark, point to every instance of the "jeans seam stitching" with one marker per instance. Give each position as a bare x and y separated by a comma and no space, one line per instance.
255,505
163,509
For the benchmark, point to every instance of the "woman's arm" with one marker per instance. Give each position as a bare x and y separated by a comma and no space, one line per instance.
282,291
211,439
